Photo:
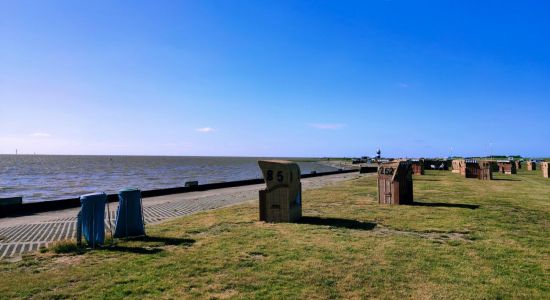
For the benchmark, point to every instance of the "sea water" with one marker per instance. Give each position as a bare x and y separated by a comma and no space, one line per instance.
54,177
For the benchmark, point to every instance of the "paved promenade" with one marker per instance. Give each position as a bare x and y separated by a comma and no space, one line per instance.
29,233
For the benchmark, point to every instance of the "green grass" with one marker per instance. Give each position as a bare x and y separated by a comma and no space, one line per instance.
470,239
65,247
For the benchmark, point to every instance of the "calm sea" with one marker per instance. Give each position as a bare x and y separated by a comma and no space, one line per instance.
53,177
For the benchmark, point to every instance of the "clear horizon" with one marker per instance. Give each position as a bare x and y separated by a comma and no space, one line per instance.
291,157
281,79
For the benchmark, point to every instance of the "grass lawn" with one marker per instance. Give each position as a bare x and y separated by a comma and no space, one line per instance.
465,239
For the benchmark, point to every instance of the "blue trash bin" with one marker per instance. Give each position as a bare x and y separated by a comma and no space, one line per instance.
91,218
129,218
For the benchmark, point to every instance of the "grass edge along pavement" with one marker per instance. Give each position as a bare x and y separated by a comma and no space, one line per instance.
464,238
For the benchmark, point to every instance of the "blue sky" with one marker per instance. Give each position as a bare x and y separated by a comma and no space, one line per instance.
275,78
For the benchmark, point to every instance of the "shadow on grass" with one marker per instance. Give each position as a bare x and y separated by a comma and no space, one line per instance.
154,241
164,240
336,222
506,179
421,178
442,204
135,250
153,245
